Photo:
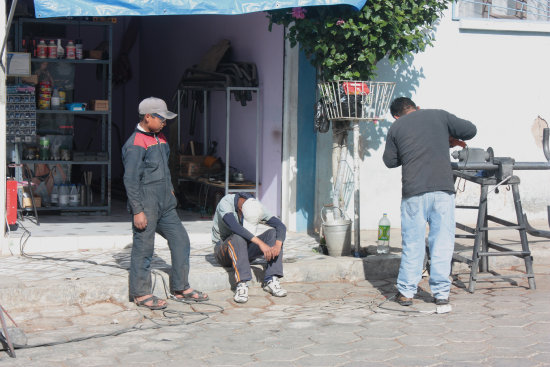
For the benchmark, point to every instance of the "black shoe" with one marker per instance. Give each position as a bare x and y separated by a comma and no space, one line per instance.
402,300
441,301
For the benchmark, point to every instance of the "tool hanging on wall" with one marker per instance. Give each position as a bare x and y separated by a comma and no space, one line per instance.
198,103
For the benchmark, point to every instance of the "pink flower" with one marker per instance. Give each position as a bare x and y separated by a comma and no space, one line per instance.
340,22
299,13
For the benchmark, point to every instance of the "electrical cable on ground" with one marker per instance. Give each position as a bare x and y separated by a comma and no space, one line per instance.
168,314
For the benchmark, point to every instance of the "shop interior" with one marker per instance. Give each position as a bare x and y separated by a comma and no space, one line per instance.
72,99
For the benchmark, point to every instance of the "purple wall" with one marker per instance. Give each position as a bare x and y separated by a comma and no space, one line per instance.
170,44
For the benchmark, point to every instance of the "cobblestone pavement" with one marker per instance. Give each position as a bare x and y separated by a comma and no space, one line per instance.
322,324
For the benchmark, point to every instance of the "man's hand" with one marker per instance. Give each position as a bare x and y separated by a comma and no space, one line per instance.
267,251
453,142
140,220
276,250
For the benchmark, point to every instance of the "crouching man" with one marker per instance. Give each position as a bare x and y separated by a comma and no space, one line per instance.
236,244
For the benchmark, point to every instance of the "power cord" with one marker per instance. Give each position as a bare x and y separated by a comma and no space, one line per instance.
169,314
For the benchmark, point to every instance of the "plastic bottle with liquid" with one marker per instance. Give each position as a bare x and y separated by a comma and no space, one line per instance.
42,50
79,51
54,196
383,235
52,50
60,50
71,50
63,195
55,102
74,196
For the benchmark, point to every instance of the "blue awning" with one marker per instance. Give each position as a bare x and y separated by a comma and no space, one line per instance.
111,8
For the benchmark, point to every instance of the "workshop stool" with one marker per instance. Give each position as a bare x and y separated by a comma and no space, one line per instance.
480,234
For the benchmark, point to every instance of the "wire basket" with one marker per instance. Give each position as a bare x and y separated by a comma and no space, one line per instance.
356,100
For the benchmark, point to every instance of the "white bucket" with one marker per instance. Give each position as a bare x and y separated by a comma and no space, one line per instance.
338,237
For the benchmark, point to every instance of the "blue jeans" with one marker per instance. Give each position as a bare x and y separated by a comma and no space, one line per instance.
438,210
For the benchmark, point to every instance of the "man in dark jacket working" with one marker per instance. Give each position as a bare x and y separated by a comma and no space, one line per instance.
153,205
419,142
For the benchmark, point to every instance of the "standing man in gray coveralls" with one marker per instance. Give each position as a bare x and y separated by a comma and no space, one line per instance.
236,244
419,142
152,202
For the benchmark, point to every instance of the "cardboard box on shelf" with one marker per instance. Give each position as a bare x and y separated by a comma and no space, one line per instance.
96,54
99,105
191,165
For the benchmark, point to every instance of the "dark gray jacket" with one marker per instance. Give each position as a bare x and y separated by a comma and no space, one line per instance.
146,173
419,142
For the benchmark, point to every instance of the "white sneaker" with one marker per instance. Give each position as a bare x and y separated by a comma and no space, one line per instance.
241,293
274,287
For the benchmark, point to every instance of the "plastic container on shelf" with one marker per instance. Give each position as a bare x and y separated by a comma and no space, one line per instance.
42,50
71,50
60,50
79,50
55,100
54,196
52,50
63,195
74,196
383,235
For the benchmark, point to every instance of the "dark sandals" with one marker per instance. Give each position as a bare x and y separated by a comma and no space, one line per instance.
154,306
194,295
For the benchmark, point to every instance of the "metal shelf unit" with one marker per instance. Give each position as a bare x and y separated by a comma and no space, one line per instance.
227,91
103,116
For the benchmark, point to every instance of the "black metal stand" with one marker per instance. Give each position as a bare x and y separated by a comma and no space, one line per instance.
482,245
11,349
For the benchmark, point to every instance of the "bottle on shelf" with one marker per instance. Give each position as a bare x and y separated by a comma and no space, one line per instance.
62,97
42,50
79,51
60,50
71,49
55,102
74,196
63,195
383,235
54,196
52,50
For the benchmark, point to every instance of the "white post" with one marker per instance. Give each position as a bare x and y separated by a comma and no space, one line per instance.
356,186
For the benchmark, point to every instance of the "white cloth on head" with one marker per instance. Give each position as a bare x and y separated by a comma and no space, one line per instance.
253,212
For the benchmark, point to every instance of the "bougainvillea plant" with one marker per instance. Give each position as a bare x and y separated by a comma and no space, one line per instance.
345,43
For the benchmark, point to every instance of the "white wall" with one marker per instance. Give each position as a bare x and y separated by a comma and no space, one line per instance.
500,81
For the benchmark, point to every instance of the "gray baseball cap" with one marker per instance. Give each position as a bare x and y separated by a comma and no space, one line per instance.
155,105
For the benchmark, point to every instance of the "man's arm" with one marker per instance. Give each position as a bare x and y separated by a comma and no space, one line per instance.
391,153
133,172
460,128
280,234
235,227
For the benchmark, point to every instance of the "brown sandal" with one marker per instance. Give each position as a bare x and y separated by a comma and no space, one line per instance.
154,306
200,297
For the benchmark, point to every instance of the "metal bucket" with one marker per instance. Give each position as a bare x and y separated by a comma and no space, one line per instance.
338,237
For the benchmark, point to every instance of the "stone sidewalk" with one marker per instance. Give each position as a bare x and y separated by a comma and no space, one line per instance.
317,324
84,260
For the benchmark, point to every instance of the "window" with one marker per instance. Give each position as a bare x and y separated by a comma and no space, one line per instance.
530,10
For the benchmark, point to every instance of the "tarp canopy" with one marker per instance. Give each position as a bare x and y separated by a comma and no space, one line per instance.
110,8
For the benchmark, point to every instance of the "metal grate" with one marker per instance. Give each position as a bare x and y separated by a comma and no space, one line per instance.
530,10
356,100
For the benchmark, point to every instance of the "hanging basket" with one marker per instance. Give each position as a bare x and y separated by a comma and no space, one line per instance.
356,100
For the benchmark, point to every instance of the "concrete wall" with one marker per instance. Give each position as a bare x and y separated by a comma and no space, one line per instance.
170,44
498,79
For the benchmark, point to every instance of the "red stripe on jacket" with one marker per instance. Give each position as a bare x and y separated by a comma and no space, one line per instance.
145,141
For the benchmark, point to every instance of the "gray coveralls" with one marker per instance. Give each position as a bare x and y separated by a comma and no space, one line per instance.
149,189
